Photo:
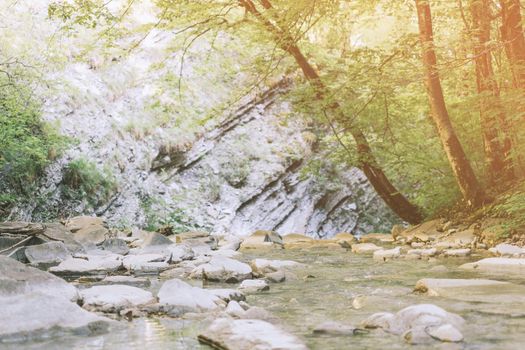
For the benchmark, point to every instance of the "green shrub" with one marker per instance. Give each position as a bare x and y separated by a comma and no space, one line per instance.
177,220
82,180
27,144
512,207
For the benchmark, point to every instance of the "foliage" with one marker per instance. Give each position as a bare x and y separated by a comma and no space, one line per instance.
82,180
174,219
512,207
27,144
368,57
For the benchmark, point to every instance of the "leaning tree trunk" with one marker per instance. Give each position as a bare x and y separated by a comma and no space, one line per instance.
465,177
494,123
367,162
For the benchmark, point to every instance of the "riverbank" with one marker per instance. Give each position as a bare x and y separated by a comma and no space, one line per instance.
192,290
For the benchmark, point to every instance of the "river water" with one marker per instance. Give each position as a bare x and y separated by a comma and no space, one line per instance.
324,291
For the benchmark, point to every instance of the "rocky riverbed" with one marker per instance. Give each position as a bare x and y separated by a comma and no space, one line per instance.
83,285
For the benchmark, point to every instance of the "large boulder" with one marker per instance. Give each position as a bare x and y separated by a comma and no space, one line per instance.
47,254
416,322
265,266
35,315
473,290
387,254
365,248
179,297
253,286
222,269
113,298
507,250
55,231
88,229
146,263
243,334
88,265
497,265
17,279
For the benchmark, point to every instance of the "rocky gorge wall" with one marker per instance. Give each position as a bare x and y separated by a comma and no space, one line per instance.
184,163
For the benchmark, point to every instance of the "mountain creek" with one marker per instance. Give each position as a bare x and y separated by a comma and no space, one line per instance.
432,286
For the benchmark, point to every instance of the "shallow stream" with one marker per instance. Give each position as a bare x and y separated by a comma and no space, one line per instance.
324,291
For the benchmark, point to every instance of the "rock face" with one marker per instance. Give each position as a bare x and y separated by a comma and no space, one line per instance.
238,173
247,335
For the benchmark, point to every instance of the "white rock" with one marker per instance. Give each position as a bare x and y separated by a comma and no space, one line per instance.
364,248
265,266
253,286
92,265
234,309
247,335
186,298
414,316
383,255
47,254
34,316
114,298
498,265
423,252
145,263
446,333
222,269
457,252
475,290
17,279
507,250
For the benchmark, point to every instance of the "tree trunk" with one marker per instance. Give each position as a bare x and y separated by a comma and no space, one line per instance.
512,35
465,177
497,155
367,162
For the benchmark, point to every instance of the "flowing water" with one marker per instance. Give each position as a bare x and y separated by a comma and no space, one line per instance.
323,291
